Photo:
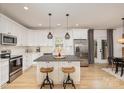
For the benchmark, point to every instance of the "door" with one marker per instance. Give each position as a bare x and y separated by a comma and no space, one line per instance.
101,51
100,46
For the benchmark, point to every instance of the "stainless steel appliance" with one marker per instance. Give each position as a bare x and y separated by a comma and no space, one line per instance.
6,39
15,64
15,67
81,50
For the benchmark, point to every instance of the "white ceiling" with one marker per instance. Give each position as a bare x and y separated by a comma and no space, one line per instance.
97,16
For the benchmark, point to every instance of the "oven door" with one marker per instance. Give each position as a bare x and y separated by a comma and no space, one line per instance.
15,65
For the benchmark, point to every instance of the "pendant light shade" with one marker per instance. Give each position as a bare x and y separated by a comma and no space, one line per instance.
50,36
67,36
121,40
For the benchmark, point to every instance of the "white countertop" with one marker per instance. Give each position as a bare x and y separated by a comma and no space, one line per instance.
1,60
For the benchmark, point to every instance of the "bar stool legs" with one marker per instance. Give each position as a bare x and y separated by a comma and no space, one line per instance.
122,70
47,81
68,81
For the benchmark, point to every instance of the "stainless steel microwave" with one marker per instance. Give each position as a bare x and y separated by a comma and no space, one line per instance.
6,39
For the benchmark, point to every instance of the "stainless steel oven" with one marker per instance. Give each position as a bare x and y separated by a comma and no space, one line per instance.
15,67
6,39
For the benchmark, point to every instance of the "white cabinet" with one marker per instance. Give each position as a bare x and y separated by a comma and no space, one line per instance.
3,25
21,34
39,38
80,34
4,72
44,41
24,37
34,38
9,26
28,59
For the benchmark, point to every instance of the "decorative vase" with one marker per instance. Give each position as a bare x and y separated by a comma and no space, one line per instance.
59,54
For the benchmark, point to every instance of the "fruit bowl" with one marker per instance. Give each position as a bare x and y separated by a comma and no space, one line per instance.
59,57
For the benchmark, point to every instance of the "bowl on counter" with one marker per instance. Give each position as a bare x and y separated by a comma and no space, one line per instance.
58,57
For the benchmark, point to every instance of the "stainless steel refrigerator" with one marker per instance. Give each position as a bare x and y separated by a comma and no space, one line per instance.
81,50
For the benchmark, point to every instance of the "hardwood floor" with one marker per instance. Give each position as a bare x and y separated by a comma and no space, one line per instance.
91,77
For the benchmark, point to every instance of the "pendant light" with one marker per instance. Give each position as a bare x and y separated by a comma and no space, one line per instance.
67,36
121,40
49,36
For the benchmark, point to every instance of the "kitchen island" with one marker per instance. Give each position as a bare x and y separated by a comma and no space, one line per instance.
57,63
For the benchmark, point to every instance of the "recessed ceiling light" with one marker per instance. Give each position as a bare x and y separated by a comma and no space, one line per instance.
26,8
77,24
40,24
58,24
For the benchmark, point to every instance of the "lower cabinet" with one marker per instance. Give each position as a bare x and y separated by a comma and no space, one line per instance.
4,72
28,59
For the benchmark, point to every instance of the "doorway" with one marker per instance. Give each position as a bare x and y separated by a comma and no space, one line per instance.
100,46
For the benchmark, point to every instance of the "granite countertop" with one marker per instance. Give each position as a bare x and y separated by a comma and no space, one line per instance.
47,58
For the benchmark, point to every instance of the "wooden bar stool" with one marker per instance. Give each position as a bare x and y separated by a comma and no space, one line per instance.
68,80
47,80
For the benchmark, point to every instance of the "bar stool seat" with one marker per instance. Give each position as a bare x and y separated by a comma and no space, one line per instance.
68,80
46,70
47,80
68,69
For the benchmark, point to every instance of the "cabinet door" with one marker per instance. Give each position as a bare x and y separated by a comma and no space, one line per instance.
25,61
0,74
3,25
29,60
31,39
80,33
4,70
44,38
24,37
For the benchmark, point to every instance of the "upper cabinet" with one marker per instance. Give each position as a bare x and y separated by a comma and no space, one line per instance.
34,38
3,24
39,38
80,33
27,37
9,26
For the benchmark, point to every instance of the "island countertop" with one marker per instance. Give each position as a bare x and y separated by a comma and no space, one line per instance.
52,58
57,74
